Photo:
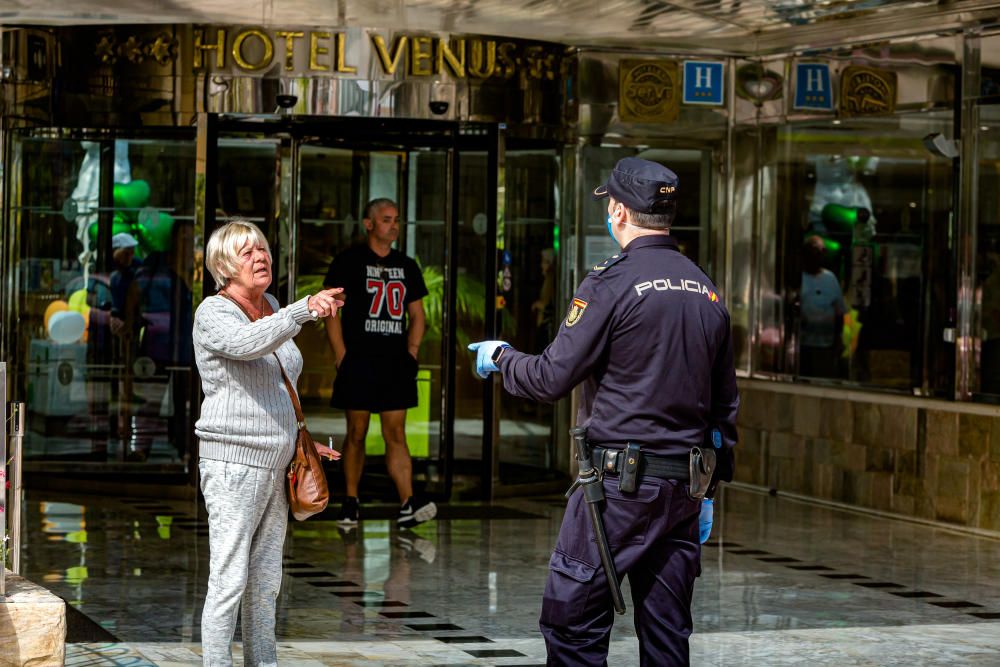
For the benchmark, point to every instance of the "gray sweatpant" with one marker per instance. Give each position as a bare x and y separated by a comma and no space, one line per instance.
247,516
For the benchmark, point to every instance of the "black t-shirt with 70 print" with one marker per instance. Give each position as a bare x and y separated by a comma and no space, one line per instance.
377,292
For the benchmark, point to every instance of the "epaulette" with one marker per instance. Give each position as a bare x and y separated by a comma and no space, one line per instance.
610,261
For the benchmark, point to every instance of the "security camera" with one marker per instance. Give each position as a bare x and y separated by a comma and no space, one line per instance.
287,101
439,107
940,145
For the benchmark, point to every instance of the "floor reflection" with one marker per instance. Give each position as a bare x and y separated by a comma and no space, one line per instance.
781,580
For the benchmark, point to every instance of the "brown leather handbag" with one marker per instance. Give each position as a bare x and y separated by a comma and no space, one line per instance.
308,493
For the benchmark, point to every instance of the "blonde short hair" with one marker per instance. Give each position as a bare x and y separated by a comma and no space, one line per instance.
222,254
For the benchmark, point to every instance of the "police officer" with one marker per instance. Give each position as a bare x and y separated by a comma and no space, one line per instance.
648,336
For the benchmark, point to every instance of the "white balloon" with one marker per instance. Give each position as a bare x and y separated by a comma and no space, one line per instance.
66,326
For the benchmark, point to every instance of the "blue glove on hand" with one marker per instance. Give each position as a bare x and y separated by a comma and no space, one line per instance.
705,519
484,356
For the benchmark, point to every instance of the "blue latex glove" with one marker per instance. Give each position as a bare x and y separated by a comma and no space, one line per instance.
705,519
717,438
484,356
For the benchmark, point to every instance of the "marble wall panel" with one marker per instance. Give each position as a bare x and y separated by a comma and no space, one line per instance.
942,432
807,412
974,436
848,456
783,415
904,505
751,456
928,463
952,498
880,459
786,446
897,427
866,423
754,408
881,490
989,512
995,440
836,419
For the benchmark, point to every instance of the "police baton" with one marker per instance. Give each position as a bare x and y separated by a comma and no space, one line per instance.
593,493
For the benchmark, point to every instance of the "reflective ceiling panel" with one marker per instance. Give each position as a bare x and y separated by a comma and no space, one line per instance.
733,26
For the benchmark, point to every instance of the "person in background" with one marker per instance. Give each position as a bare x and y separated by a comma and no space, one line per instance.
247,431
375,345
126,265
821,314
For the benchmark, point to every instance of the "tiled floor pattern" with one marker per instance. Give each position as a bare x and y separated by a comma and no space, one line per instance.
783,582
936,599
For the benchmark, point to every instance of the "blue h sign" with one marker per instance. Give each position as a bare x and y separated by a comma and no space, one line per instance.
703,83
812,87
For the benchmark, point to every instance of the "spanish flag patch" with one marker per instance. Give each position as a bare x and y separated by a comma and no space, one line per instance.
575,311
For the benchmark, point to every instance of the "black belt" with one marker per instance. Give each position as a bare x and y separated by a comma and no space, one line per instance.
610,461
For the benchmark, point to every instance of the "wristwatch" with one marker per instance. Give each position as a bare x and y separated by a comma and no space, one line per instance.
497,353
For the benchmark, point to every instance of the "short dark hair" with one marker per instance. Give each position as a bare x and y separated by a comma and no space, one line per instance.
660,220
376,204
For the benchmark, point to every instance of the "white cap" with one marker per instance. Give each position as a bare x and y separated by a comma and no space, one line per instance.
123,240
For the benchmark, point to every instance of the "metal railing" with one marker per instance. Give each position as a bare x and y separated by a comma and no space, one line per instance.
10,484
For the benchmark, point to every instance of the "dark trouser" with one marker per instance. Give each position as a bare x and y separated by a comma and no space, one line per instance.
653,534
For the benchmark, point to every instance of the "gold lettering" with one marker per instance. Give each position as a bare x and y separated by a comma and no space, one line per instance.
477,68
443,54
315,51
200,47
289,46
341,65
389,63
267,56
418,55
505,53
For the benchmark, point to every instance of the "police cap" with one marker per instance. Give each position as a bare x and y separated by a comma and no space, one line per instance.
641,185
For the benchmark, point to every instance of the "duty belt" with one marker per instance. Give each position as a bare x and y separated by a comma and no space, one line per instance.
612,461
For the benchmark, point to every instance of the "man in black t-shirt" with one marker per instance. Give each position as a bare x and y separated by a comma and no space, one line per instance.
375,342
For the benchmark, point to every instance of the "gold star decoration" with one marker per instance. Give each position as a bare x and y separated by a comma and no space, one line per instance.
163,49
105,50
133,50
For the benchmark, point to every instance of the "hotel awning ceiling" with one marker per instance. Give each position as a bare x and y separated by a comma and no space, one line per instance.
721,26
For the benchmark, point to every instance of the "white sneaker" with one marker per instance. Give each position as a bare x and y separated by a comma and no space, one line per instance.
415,512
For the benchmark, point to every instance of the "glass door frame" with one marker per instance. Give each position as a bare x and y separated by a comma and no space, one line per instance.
356,134
11,239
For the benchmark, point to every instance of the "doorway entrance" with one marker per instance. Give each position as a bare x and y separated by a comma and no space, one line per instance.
482,222
480,216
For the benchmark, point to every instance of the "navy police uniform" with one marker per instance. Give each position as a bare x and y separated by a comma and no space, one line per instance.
649,337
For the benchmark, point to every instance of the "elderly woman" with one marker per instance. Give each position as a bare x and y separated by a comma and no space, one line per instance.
247,432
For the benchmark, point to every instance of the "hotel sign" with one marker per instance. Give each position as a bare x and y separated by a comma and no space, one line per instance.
648,91
348,52
866,91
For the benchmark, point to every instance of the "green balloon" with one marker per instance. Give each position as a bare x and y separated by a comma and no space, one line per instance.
156,230
118,224
845,217
131,195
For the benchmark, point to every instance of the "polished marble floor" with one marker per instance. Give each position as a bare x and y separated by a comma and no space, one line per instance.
784,582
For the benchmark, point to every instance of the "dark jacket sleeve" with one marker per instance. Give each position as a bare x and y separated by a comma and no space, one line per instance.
725,396
571,356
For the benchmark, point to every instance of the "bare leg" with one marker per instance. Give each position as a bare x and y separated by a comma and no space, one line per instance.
354,449
397,455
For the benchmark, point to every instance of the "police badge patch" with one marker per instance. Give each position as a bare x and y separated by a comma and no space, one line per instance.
575,311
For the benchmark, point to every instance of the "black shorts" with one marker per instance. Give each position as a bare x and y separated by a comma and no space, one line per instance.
376,384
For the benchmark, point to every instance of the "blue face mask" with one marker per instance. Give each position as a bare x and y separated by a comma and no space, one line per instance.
610,233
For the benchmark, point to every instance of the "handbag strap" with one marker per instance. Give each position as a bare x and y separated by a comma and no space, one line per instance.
299,417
